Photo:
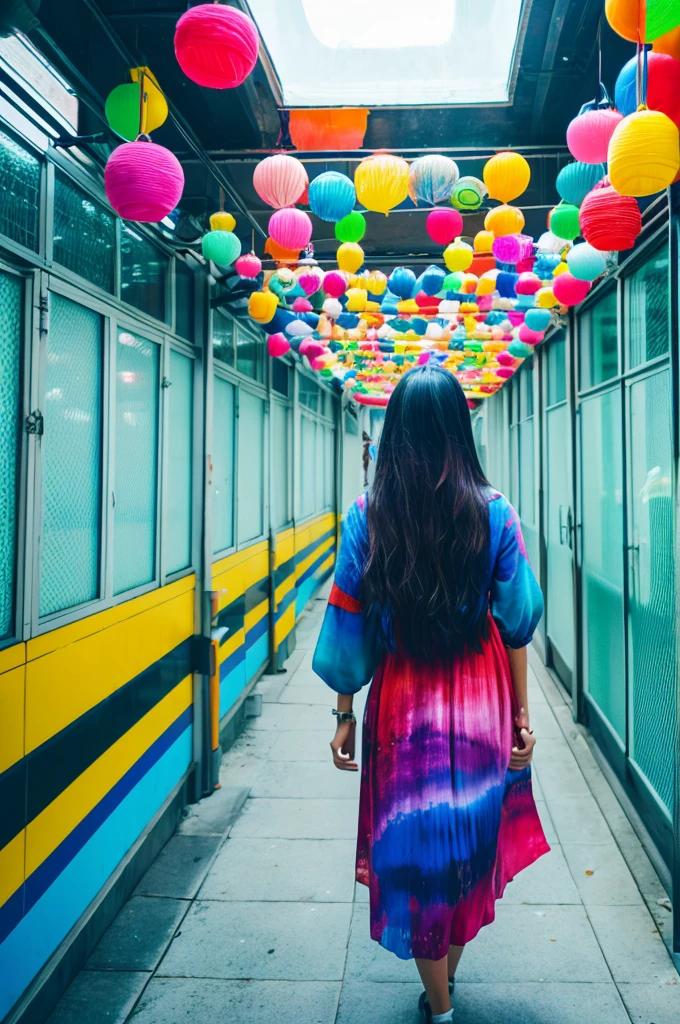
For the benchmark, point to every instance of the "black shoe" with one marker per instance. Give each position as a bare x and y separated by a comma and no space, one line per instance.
424,1002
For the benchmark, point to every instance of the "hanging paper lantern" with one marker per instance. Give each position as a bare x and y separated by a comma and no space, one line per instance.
376,282
350,257
561,268
432,179
512,248
663,86
277,345
585,262
443,225
143,181
575,181
589,133
280,180
644,154
356,300
527,284
506,176
125,112
528,336
545,298
332,307
381,181
262,306
468,194
483,241
331,195
549,243
216,46
458,256
651,18
668,43
432,280
248,265
302,305
351,228
569,290
222,221
290,228
309,280
504,220
563,221
401,282
537,319
222,247
334,284
519,349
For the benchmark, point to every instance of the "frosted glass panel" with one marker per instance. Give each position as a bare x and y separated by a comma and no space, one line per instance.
328,466
134,529
177,534
599,341
223,464
280,465
560,606
143,270
602,546
11,297
652,611
19,193
250,467
84,234
647,309
307,465
71,458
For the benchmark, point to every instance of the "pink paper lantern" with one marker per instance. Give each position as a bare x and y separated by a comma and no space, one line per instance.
290,228
505,372
516,318
311,348
334,284
512,248
527,284
278,345
530,337
280,180
443,225
318,363
505,359
309,283
143,181
588,134
248,265
569,290
302,305
216,46
485,303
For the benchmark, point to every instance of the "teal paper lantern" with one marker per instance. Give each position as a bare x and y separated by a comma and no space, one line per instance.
222,247
331,195
576,180
537,319
519,350
585,262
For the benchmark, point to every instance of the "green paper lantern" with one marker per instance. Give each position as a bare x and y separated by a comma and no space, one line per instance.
452,282
351,228
222,247
564,222
122,109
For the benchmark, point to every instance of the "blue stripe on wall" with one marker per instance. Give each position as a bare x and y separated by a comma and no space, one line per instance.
39,933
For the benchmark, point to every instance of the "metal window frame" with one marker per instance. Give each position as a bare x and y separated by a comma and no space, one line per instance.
284,403
220,370
171,344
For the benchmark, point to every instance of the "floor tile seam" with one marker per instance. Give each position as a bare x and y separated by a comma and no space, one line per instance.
152,973
604,957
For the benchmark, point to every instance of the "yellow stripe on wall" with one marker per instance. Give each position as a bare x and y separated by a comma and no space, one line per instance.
12,656
316,553
255,614
51,827
284,587
285,548
12,866
232,583
327,564
67,682
231,561
284,625
231,644
307,534
12,698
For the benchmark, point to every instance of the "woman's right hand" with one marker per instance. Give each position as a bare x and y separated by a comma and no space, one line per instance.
342,747
520,757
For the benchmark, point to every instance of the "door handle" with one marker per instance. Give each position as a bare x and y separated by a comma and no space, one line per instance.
566,526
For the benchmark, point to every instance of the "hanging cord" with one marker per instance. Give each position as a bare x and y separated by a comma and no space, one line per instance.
142,104
641,71
599,54
252,241
221,199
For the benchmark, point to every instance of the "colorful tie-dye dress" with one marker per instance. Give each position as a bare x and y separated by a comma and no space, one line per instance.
444,824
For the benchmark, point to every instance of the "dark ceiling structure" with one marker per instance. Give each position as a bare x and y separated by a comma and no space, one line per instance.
219,136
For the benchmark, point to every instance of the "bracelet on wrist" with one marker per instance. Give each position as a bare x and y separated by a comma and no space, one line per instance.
344,716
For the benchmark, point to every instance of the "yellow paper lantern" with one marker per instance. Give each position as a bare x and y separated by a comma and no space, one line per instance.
376,282
484,241
506,176
561,268
381,182
155,104
458,257
356,300
504,220
545,298
350,257
487,283
222,221
644,153
262,306
408,306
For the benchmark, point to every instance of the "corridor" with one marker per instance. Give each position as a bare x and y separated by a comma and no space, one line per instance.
268,925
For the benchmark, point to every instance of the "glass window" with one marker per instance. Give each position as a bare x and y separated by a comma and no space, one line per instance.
647,308
223,337
177,534
250,354
250,467
143,273
307,465
19,193
223,464
280,502
184,300
136,454
280,377
328,466
71,458
319,475
11,300
526,389
308,392
84,234
599,341
557,374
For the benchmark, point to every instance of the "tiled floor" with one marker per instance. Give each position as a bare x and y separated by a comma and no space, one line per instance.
278,931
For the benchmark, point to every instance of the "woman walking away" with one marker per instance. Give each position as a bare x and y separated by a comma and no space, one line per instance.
434,598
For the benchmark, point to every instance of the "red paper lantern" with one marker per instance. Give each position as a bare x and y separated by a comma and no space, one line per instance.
609,222
443,225
143,181
216,46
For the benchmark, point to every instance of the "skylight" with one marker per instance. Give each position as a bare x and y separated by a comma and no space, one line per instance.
390,52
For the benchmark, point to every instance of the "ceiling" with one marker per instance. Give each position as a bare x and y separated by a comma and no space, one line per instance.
220,135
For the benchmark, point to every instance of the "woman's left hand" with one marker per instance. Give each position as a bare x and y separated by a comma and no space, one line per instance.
342,747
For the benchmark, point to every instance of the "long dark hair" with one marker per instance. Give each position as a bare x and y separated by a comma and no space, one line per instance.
428,519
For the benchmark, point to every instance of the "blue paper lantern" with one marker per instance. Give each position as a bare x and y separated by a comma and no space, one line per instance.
331,195
576,180
505,284
432,178
279,322
537,319
431,280
585,262
401,282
